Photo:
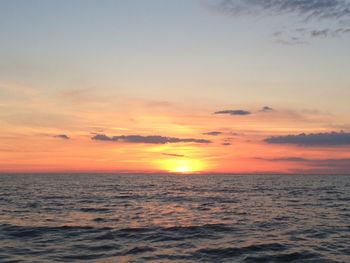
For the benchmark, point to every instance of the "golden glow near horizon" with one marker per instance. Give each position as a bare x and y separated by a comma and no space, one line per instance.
183,166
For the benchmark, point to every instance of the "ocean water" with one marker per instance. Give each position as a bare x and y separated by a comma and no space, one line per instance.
174,218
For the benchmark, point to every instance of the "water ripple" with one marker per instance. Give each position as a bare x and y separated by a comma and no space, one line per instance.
161,218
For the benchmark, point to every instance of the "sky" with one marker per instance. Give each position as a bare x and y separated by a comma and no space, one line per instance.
186,86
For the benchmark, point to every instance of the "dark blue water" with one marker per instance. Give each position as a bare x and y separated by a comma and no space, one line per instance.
174,218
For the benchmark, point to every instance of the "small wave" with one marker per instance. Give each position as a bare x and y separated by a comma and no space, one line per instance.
286,257
83,256
96,210
138,250
237,251
201,228
100,220
159,234
23,231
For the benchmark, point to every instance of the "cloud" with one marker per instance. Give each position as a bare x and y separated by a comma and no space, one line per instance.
62,136
328,32
213,133
266,109
233,112
290,159
328,165
226,143
283,159
307,11
291,41
242,112
321,9
154,139
312,139
299,35
173,154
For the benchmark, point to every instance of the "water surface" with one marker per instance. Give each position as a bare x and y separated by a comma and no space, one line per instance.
174,218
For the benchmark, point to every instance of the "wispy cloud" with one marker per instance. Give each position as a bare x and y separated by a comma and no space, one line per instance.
341,164
284,159
336,11
322,9
62,136
266,109
173,154
312,139
154,139
233,112
300,35
213,133
244,112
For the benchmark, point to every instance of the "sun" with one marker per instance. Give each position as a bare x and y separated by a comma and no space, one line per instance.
182,169
183,166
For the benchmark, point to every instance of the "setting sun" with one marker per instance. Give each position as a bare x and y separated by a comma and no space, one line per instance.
182,169
183,166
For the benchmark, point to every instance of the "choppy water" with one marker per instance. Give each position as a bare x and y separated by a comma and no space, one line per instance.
178,218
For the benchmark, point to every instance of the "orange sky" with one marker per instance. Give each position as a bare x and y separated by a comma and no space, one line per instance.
30,140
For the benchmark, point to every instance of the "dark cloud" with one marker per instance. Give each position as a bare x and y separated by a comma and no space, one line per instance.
213,133
226,143
317,165
312,139
328,32
335,11
299,35
308,9
155,139
266,109
102,137
320,33
173,154
290,159
62,136
233,112
332,163
243,112
284,159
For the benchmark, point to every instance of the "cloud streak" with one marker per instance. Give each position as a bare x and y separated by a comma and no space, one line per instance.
312,139
213,133
338,165
233,112
266,109
62,136
173,154
154,139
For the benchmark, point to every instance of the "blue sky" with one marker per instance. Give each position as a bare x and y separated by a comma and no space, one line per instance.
160,48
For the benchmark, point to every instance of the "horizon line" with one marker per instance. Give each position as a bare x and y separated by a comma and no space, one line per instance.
163,173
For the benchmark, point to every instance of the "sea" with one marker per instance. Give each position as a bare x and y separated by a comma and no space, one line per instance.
174,218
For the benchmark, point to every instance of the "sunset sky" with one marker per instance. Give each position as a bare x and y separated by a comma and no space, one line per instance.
185,86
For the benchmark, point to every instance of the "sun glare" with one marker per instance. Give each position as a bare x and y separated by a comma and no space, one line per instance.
182,169
183,166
